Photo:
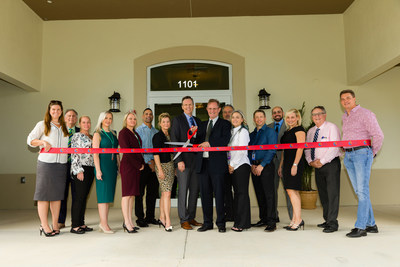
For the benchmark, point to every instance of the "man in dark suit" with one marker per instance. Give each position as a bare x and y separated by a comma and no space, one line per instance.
279,126
71,117
213,166
185,164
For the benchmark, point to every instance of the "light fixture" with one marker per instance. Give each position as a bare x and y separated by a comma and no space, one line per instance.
115,102
263,99
49,1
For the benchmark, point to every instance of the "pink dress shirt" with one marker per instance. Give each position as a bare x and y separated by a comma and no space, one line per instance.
327,132
361,124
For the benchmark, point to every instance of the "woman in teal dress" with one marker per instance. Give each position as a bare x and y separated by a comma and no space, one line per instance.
106,168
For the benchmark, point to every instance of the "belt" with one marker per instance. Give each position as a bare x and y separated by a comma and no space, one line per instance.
355,148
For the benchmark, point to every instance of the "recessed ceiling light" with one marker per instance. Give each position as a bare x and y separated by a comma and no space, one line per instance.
49,1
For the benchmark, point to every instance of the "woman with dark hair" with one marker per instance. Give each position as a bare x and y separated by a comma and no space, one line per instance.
131,165
51,168
106,167
239,169
82,171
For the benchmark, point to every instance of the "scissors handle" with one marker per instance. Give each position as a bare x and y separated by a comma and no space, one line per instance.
189,136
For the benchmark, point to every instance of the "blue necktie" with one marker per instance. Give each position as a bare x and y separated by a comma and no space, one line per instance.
191,120
314,140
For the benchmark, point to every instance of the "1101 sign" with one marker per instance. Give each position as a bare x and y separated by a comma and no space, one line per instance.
187,84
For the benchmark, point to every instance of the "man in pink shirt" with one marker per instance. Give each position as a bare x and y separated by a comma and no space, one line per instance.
359,124
327,167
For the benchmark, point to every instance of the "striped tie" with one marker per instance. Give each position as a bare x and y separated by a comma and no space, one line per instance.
69,143
314,140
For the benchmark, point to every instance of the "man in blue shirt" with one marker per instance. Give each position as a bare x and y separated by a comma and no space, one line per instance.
262,171
148,178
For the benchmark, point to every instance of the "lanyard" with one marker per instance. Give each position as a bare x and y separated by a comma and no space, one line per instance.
111,139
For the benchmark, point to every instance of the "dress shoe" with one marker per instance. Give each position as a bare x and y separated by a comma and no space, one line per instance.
78,231
322,225
258,224
372,229
329,229
195,223
168,229
204,228
357,232
222,229
186,226
142,223
49,234
296,227
87,229
270,228
151,221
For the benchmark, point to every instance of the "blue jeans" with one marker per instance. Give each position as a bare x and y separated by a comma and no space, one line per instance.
358,164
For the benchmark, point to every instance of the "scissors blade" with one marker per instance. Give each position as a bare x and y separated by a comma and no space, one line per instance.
184,145
177,143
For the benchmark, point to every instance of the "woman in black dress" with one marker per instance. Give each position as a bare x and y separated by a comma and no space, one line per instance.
292,165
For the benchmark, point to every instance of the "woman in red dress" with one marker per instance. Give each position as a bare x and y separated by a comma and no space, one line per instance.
131,165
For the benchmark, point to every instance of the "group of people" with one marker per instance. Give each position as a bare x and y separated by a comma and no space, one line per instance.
214,174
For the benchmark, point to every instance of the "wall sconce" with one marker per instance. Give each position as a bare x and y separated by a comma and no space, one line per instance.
114,102
263,99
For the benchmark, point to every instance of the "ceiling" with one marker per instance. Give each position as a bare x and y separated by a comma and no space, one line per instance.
123,9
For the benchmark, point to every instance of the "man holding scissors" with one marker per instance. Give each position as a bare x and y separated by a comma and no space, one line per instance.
186,165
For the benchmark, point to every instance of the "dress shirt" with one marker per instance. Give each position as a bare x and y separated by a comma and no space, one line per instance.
264,136
55,138
80,140
327,132
239,137
362,124
280,125
146,134
188,119
206,153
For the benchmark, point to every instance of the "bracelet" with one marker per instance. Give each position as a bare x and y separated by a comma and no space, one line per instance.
294,164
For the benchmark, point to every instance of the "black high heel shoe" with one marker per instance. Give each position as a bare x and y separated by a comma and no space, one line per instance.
41,230
296,227
168,229
129,231
161,223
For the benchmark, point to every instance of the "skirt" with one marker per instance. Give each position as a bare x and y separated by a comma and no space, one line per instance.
50,181
169,172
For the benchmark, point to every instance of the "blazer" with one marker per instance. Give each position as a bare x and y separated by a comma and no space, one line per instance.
179,129
220,136
280,134
159,140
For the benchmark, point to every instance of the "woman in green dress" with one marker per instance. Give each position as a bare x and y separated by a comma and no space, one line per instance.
106,167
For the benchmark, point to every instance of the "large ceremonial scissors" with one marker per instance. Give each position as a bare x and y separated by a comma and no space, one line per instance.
183,144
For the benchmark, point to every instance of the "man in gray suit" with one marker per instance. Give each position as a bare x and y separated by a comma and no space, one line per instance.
279,126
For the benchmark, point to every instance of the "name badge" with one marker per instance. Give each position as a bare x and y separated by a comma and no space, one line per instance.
253,155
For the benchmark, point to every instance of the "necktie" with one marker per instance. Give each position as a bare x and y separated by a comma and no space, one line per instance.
191,120
209,128
314,140
69,142
276,127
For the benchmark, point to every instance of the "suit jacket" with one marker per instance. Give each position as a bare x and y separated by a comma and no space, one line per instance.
220,136
280,134
179,129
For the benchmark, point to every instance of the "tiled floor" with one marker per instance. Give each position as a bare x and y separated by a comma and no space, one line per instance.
21,245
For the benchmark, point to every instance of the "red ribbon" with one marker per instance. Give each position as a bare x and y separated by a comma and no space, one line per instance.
349,143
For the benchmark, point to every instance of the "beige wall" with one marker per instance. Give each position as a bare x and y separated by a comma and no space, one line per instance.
372,38
296,58
20,45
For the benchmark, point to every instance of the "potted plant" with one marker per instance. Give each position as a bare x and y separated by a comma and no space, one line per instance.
308,194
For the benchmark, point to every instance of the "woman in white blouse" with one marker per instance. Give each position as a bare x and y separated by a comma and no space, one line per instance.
239,169
82,172
51,168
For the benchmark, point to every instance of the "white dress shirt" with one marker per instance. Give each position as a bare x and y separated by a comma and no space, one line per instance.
327,132
55,138
240,137
206,154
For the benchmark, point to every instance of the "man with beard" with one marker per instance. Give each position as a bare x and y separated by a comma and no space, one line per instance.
279,126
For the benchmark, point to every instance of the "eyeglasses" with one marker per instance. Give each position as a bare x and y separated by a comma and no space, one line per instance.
55,102
317,114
